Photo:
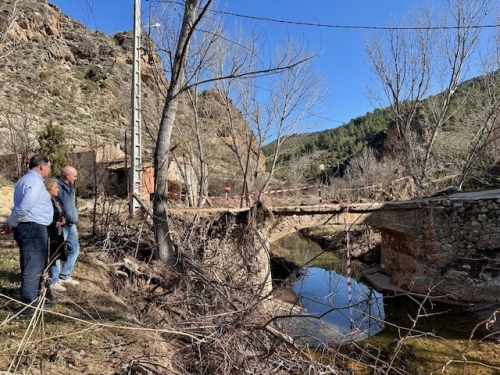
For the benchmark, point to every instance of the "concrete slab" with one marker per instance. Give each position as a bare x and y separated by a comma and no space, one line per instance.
379,281
382,283
483,194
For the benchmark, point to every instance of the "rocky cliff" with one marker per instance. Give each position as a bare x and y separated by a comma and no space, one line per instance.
55,70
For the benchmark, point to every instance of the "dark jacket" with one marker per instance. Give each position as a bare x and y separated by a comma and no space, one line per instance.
56,239
66,196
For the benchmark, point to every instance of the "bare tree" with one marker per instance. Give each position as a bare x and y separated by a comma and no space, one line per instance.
403,65
21,124
482,130
183,66
191,135
473,146
422,60
196,130
457,48
269,108
192,14
377,178
362,169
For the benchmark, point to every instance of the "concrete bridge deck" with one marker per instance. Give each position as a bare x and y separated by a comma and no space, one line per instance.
328,209
445,246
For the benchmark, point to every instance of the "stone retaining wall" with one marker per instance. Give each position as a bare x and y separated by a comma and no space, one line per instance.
447,245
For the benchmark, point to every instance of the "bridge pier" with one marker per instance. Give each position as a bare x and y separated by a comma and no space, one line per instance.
446,246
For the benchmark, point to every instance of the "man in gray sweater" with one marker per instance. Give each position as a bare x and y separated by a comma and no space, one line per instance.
62,275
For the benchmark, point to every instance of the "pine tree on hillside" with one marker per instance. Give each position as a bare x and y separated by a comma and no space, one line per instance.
53,144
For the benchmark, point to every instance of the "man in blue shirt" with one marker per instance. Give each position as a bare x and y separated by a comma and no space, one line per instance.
28,220
62,275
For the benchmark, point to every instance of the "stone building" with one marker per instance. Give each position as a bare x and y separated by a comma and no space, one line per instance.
104,169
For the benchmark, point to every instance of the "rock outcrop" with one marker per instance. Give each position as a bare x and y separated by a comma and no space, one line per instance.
55,70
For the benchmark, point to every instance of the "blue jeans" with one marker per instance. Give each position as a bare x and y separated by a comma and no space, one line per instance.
55,271
32,241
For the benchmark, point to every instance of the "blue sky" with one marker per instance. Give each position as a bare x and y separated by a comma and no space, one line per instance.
342,62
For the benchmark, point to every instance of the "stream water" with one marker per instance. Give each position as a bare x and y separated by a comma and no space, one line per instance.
335,308
332,313
432,336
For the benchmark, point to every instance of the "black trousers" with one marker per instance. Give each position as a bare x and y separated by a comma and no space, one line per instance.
32,240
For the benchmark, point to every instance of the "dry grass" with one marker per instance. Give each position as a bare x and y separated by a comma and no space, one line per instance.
91,329
6,200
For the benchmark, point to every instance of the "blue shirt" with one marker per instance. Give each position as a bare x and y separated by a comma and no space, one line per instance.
31,201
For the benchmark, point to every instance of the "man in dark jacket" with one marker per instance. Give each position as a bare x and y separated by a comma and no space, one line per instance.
62,275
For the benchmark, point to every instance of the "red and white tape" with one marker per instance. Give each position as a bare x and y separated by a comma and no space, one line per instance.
348,260
226,199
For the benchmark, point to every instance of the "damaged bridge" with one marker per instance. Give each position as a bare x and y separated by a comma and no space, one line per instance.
445,246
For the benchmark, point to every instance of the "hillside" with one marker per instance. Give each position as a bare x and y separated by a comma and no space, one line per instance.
55,70
465,150
334,147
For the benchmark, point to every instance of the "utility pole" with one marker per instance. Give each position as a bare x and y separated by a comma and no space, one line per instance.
135,129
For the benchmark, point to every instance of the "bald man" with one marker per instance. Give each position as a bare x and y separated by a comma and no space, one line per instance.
61,276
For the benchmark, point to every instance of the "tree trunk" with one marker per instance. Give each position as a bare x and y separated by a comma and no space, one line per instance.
165,250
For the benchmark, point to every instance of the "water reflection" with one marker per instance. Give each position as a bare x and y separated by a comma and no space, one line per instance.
324,294
323,291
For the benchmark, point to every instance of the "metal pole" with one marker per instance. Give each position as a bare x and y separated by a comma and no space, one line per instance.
135,131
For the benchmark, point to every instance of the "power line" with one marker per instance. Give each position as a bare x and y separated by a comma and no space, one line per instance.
90,6
325,25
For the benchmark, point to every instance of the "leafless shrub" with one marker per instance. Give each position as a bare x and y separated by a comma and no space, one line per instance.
215,291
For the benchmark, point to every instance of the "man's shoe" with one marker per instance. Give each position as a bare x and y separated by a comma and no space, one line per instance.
28,311
49,305
69,281
57,287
